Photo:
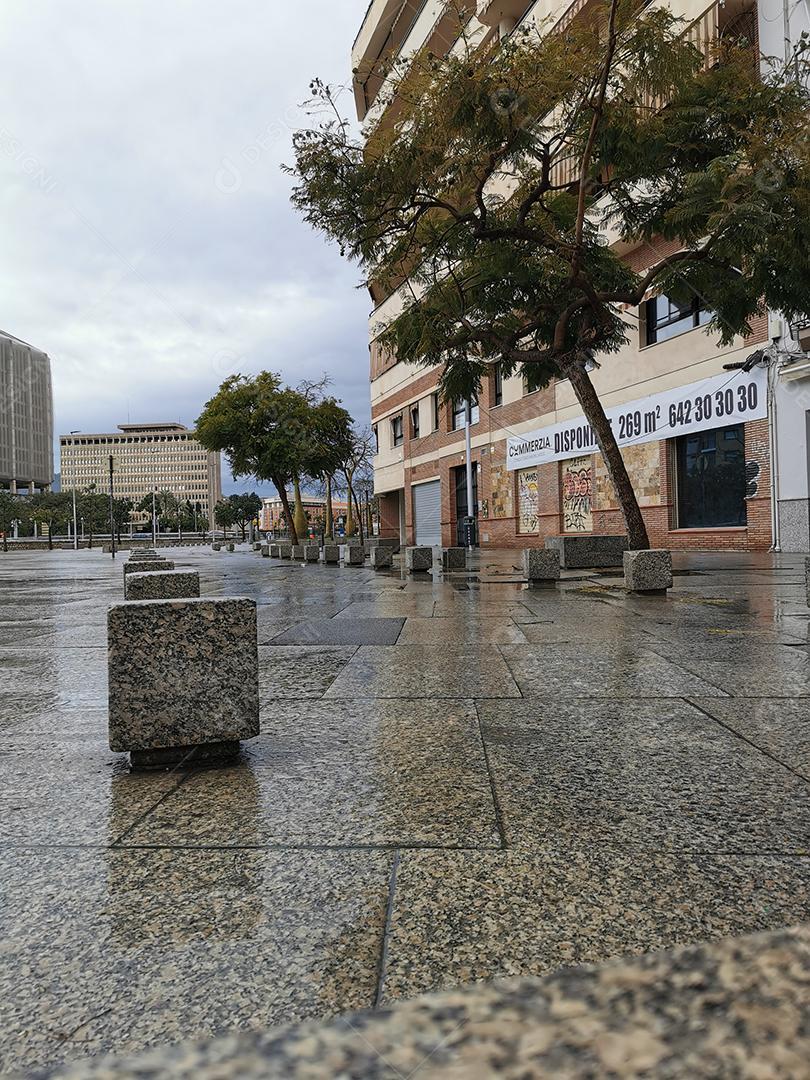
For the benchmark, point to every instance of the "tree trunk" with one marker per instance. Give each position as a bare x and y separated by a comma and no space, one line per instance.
606,441
349,508
301,523
285,502
329,524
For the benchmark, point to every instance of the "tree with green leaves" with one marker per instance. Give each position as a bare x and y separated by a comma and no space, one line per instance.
225,515
10,511
244,508
489,197
51,510
267,430
122,514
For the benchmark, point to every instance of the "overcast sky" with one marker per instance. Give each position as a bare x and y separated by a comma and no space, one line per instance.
148,245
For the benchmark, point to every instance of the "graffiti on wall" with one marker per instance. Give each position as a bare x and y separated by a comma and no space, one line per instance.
577,494
528,501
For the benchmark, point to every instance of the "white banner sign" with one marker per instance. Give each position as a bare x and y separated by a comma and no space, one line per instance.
731,398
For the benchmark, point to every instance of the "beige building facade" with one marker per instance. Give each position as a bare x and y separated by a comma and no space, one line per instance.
146,458
702,481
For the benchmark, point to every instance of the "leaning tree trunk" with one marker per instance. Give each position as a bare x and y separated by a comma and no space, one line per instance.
349,508
288,514
329,524
606,441
301,522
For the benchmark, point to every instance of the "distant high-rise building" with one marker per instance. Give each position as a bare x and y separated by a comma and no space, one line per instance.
26,416
146,458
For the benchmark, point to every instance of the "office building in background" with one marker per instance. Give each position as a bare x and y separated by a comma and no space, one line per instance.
146,458
26,417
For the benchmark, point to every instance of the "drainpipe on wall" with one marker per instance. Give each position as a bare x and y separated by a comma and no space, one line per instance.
773,436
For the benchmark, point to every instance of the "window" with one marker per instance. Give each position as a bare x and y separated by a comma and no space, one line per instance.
376,433
665,318
460,413
434,398
712,479
497,385
397,434
414,421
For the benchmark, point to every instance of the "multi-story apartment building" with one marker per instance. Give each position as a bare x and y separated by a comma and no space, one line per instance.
26,417
739,482
146,458
272,513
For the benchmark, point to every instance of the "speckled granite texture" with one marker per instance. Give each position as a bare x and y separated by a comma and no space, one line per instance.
731,1009
182,673
330,554
418,559
577,552
352,555
163,585
541,564
648,571
285,551
454,558
147,566
381,557
312,552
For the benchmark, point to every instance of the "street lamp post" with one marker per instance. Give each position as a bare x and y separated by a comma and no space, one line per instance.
154,520
112,511
75,530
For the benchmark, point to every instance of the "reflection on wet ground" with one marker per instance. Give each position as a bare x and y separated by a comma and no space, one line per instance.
457,779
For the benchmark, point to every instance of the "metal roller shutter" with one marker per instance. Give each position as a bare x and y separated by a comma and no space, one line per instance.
427,513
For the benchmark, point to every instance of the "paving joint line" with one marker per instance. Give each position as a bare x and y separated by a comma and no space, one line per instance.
386,935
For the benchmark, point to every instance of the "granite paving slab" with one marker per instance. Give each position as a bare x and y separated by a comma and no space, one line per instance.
469,916
787,677
124,950
654,775
299,671
43,787
453,671
601,670
342,632
461,630
354,773
779,727
395,607
72,676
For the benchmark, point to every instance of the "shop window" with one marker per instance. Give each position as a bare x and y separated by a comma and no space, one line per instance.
712,479
665,318
415,422
397,434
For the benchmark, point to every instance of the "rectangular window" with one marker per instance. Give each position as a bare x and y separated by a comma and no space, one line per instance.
665,318
434,398
376,432
414,421
397,434
460,413
712,479
497,385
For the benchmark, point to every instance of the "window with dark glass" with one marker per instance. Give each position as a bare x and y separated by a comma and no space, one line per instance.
460,407
711,479
376,432
497,385
665,318
415,422
434,398
397,434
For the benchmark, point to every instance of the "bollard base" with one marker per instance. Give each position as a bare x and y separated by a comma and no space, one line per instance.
166,757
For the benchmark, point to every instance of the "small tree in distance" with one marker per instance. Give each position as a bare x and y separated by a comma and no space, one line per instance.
488,197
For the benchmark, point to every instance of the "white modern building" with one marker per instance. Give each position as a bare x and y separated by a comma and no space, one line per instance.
26,417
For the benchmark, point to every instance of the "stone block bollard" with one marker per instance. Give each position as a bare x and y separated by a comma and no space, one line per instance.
418,560
275,551
298,552
807,578
352,555
330,554
541,565
648,571
183,676
163,585
147,566
454,558
231,547
311,552
285,551
381,558
265,550
216,547
257,546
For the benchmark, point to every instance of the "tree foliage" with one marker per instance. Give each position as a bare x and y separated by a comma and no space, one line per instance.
490,196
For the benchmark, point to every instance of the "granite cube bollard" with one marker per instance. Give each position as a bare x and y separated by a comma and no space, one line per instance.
183,676
382,558
216,547
162,585
352,555
311,552
298,552
454,558
265,550
275,551
231,547
541,564
330,554
418,560
285,551
147,566
590,550
648,571
807,578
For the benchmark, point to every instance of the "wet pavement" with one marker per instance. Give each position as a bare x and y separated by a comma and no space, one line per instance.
456,780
